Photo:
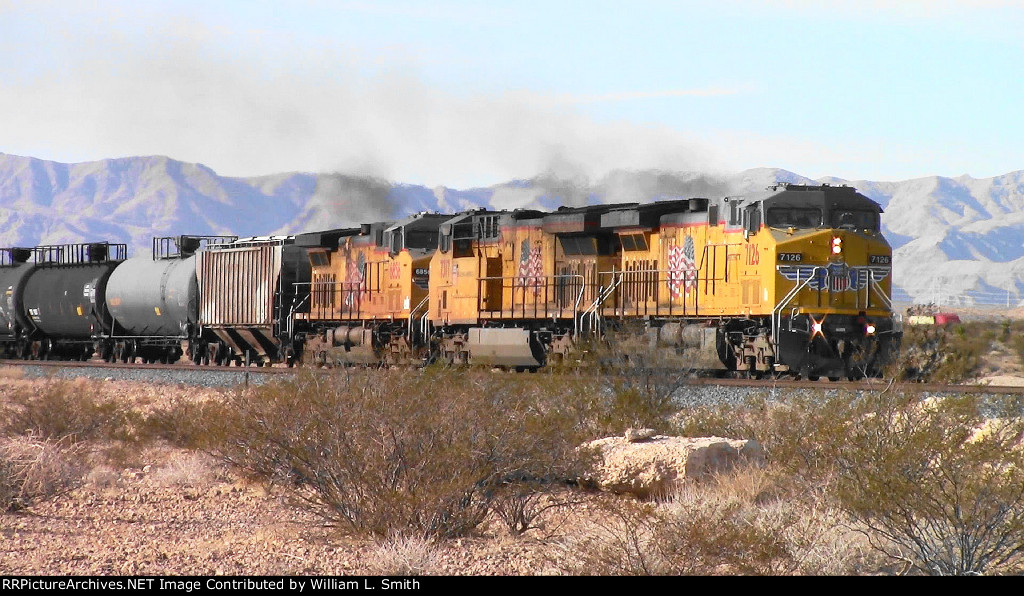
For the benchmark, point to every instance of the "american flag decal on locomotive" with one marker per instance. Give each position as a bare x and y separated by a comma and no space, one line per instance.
836,277
682,268
531,269
354,279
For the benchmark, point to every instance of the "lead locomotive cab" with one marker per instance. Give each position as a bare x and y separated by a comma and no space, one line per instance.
833,316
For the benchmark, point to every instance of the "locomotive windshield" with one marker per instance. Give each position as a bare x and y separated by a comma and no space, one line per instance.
855,219
794,217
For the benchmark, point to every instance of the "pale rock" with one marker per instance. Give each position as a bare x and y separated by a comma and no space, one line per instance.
652,468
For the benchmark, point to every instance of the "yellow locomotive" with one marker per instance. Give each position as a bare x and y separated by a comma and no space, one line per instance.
793,279
368,296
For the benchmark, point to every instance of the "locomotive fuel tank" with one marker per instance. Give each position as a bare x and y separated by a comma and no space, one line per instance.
154,297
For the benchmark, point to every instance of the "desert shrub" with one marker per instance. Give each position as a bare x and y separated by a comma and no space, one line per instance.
71,410
186,469
799,432
393,452
638,382
34,470
405,556
1013,336
183,423
735,524
521,505
936,484
925,485
946,354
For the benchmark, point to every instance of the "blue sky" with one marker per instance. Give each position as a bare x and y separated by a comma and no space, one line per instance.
473,93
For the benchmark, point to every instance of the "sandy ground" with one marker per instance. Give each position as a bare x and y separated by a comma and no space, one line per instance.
1002,381
160,523
175,512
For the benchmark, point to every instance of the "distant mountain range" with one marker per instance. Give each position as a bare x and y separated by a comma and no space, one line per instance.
950,235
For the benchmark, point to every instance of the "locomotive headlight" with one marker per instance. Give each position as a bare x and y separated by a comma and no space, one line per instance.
817,327
869,329
837,245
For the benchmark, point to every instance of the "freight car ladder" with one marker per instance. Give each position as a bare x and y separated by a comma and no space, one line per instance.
592,314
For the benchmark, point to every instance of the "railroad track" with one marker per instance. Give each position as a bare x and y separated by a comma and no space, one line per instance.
175,374
187,373
98,364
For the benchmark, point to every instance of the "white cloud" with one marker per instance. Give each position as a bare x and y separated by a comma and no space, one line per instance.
558,99
245,100
197,94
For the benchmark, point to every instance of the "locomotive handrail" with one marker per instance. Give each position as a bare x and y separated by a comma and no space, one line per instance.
576,308
664,276
425,324
603,293
546,279
886,302
777,311
339,288
412,315
291,313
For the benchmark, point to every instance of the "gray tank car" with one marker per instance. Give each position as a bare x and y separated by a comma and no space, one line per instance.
151,298
154,302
